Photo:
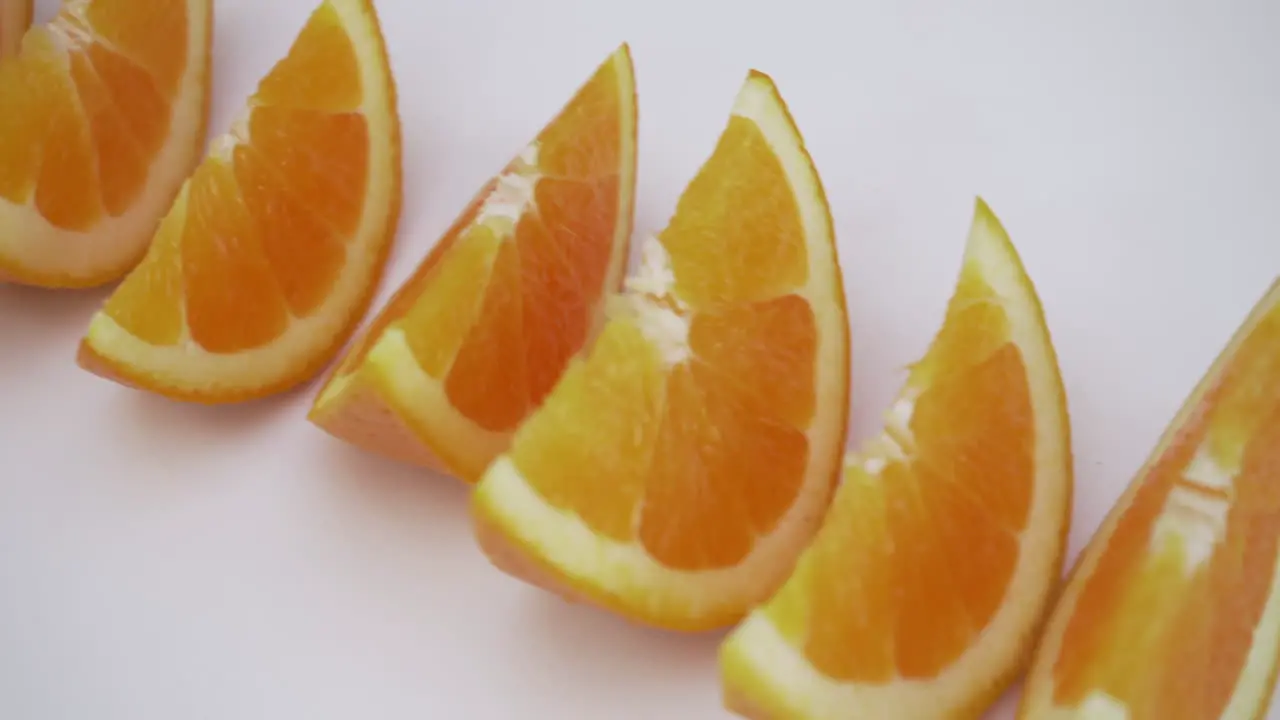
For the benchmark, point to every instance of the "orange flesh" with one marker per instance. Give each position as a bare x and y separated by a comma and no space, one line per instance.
542,288
703,455
149,301
738,240
87,108
490,384
1153,628
435,313
498,308
914,559
15,17
261,238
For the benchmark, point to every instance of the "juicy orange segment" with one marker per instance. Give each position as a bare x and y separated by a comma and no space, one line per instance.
271,252
15,17
476,338
933,568
676,470
104,115
1172,610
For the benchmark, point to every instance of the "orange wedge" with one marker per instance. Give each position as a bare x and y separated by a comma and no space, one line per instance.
1173,609
104,113
921,595
476,337
681,464
15,17
271,252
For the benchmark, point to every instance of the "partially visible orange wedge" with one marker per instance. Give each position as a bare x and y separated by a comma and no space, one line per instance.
681,464
104,113
481,331
15,17
271,253
922,593
1173,610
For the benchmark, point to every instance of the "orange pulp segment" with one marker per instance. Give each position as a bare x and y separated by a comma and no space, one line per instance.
272,250
923,589
1173,609
476,337
15,18
104,115
680,465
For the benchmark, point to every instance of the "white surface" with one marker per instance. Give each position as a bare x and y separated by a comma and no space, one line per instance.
173,562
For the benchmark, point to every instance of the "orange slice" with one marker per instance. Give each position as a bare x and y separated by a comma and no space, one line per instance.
1173,609
923,590
476,337
104,115
678,468
272,250
15,17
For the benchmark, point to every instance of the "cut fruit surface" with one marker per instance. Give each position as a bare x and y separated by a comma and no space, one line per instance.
273,248
1173,609
922,592
15,17
680,465
476,337
104,115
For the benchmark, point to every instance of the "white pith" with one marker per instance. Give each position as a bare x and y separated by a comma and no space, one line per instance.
1194,517
626,572
186,366
70,257
1193,523
456,440
513,190
1253,687
223,146
651,303
763,666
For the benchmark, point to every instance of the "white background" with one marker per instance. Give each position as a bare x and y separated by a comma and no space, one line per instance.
161,561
